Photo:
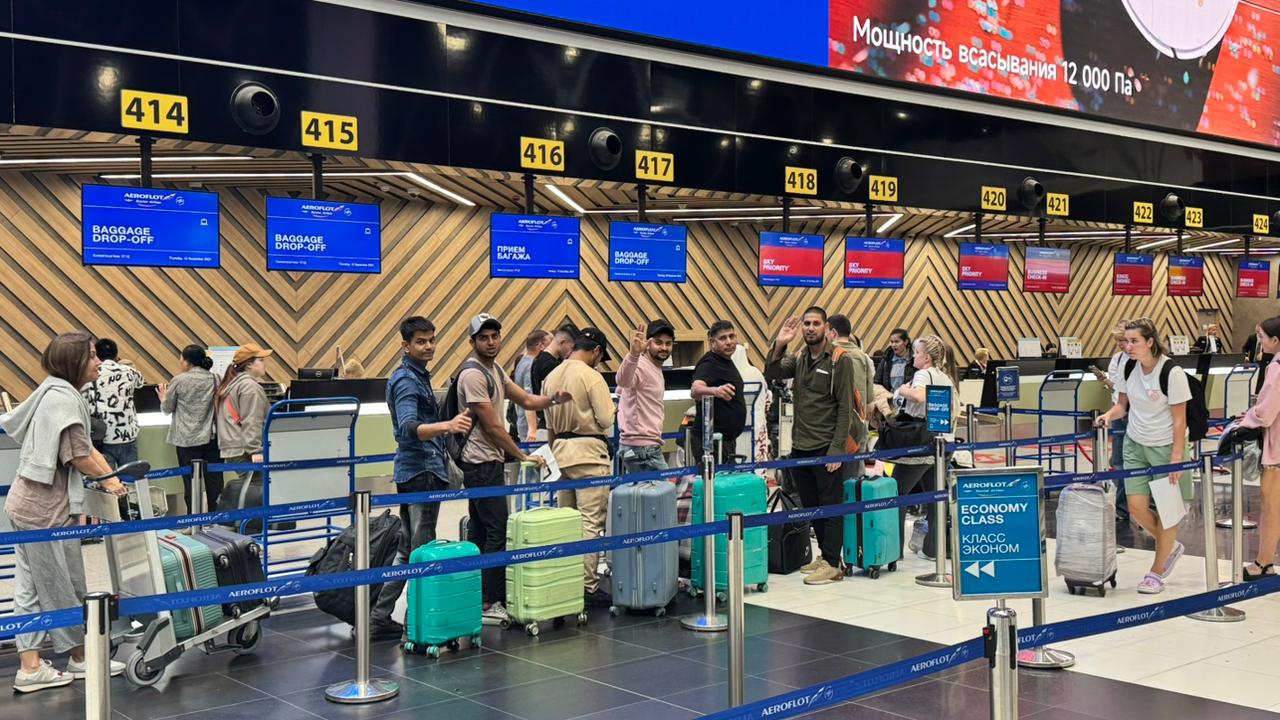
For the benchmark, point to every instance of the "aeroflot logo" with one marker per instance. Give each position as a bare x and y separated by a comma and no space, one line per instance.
821,694
644,539
959,654
1156,613
1247,591
310,207
1041,636
152,197
802,514
533,554
26,626
879,504
288,587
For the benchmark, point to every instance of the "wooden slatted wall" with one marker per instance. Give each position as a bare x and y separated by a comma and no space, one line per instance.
435,263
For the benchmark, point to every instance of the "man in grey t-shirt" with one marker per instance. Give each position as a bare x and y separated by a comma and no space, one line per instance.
527,420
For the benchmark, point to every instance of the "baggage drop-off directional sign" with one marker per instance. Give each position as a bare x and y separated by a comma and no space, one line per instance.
998,533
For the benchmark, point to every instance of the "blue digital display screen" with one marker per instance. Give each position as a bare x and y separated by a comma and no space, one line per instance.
148,227
534,246
647,253
323,236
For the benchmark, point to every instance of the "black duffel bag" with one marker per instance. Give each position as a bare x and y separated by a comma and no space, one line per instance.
903,431
789,548
340,556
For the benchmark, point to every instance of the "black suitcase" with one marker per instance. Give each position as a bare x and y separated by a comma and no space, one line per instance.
236,495
789,547
238,561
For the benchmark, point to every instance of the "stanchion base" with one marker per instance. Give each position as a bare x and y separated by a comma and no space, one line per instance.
705,623
934,580
1219,615
1045,658
1225,523
354,693
1119,549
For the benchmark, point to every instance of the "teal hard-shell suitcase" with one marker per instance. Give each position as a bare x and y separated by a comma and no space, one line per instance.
545,589
443,609
872,540
748,494
188,564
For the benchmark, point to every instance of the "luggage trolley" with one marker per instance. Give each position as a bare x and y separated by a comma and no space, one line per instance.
305,429
1237,389
136,570
1058,392
8,471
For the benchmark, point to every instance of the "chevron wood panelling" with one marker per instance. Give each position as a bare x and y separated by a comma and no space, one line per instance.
435,263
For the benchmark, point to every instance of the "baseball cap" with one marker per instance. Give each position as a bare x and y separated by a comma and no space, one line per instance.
249,351
483,321
660,327
597,337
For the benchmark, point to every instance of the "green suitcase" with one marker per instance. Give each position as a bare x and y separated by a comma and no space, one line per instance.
545,589
443,608
748,494
188,564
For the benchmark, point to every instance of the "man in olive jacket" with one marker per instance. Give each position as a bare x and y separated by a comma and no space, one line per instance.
822,389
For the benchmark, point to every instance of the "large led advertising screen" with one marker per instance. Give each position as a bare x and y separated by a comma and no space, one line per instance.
1189,65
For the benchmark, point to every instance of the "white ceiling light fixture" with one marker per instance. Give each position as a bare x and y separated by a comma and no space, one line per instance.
120,160
1220,243
957,231
564,198
439,190
889,223
712,210
1157,243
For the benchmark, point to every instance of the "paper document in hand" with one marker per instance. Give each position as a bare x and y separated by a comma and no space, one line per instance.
1169,504
551,472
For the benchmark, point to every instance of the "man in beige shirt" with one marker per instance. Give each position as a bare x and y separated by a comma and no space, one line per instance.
578,431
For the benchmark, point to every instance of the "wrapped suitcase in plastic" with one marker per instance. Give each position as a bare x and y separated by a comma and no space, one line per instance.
748,494
644,578
188,565
545,589
237,560
443,609
872,540
1086,543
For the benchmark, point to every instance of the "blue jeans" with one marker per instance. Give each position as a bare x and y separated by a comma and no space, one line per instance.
641,458
1117,433
118,454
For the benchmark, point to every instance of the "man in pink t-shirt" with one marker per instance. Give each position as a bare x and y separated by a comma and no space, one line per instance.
640,397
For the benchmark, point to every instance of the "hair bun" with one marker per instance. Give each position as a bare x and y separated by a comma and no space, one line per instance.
207,363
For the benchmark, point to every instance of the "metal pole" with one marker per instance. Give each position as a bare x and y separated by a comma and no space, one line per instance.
708,620
971,425
1100,437
1010,453
1217,614
144,161
197,488
363,689
737,611
1237,521
100,609
1002,644
939,577
317,176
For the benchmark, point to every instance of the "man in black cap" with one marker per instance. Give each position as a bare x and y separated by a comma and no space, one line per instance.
579,435
482,387
640,391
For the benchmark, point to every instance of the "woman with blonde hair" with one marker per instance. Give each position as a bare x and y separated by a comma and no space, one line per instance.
978,368
1155,401
935,364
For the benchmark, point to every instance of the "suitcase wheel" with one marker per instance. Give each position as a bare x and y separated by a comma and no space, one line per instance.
245,638
693,591
454,645
409,647
614,610
721,596
893,566
873,573
582,618
475,641
433,651
762,587
532,629
848,569
660,612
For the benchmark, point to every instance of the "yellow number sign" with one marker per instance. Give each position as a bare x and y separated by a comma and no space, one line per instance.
994,198
1194,217
335,132
1144,212
541,154
1058,204
1261,224
157,112
883,188
653,165
801,181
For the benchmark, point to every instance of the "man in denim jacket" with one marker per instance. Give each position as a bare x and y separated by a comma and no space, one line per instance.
419,464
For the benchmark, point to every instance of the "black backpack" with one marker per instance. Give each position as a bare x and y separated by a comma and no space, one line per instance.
339,556
1197,408
455,442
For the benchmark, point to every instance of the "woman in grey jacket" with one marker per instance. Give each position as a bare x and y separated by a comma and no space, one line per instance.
188,400
52,427
241,414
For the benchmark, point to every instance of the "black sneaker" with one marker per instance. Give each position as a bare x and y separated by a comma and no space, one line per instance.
597,598
389,630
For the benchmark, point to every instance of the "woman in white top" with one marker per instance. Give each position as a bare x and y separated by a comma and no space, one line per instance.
935,365
1156,435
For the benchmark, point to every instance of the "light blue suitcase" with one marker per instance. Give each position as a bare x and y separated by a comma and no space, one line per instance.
644,578
872,540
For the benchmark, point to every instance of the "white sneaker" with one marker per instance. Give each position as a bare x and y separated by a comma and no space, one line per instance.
43,678
496,615
80,670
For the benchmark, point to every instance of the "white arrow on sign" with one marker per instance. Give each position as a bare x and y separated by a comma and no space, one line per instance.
978,569
989,569
972,569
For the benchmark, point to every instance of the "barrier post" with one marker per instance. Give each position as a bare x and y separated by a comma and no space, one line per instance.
1001,636
737,611
100,609
1010,453
197,488
363,689
971,425
1211,582
1100,442
939,578
1237,521
708,620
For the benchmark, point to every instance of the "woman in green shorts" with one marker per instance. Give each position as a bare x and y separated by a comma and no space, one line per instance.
1156,435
